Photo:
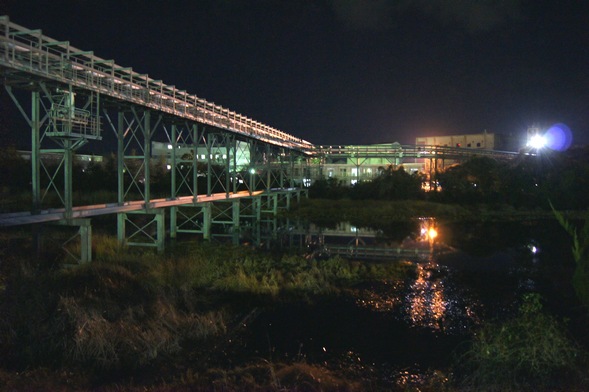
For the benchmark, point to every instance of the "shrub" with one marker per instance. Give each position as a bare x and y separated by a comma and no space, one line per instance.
524,353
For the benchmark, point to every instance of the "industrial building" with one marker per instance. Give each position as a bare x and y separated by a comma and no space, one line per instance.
484,140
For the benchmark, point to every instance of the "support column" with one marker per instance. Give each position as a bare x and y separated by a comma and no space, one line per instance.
36,150
86,242
68,186
147,155
236,224
207,220
288,197
160,218
174,189
121,229
121,217
257,205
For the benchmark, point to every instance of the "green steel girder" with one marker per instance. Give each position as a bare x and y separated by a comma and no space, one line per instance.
184,168
68,87
143,228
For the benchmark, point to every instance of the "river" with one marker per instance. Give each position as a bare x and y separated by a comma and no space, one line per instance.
404,332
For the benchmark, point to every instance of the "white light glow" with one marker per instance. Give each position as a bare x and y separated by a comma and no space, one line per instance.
537,141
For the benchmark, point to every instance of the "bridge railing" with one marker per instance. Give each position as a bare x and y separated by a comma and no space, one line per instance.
410,151
28,53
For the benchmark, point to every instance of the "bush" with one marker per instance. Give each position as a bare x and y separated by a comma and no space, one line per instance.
524,353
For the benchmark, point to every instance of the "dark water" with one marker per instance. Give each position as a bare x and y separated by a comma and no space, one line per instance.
403,330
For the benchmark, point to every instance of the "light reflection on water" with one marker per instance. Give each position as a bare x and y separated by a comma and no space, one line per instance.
432,300
429,301
425,301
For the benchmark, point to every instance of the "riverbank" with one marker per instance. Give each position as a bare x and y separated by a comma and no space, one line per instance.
379,213
137,321
218,317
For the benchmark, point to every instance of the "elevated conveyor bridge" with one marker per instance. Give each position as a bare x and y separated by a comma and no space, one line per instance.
76,96
70,97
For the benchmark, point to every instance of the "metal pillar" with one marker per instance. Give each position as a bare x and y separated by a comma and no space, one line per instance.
134,131
184,171
226,219
146,230
83,236
58,129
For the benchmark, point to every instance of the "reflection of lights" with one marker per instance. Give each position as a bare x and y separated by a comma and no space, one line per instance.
427,303
533,249
427,231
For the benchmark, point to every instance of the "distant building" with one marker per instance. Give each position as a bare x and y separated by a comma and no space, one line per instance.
485,140
240,152
81,159
353,163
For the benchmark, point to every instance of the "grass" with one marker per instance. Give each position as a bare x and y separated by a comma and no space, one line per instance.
135,313
131,308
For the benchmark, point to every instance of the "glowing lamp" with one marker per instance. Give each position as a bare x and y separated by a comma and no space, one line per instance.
537,141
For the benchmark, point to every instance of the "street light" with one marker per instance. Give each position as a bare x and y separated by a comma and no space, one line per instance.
537,141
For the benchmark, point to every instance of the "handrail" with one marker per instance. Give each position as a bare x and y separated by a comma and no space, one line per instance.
409,151
30,51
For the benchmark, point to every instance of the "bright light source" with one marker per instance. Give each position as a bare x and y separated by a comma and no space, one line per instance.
537,141
432,233
169,146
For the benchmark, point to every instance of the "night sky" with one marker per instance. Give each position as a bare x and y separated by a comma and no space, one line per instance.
349,71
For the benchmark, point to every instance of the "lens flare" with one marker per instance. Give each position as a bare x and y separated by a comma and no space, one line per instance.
558,137
537,141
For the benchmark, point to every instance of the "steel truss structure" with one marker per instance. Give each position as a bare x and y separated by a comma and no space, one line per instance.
74,95
431,159
229,174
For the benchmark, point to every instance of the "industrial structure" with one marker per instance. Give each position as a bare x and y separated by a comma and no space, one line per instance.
228,172
73,96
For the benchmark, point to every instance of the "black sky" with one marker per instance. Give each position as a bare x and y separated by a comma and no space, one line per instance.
349,71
